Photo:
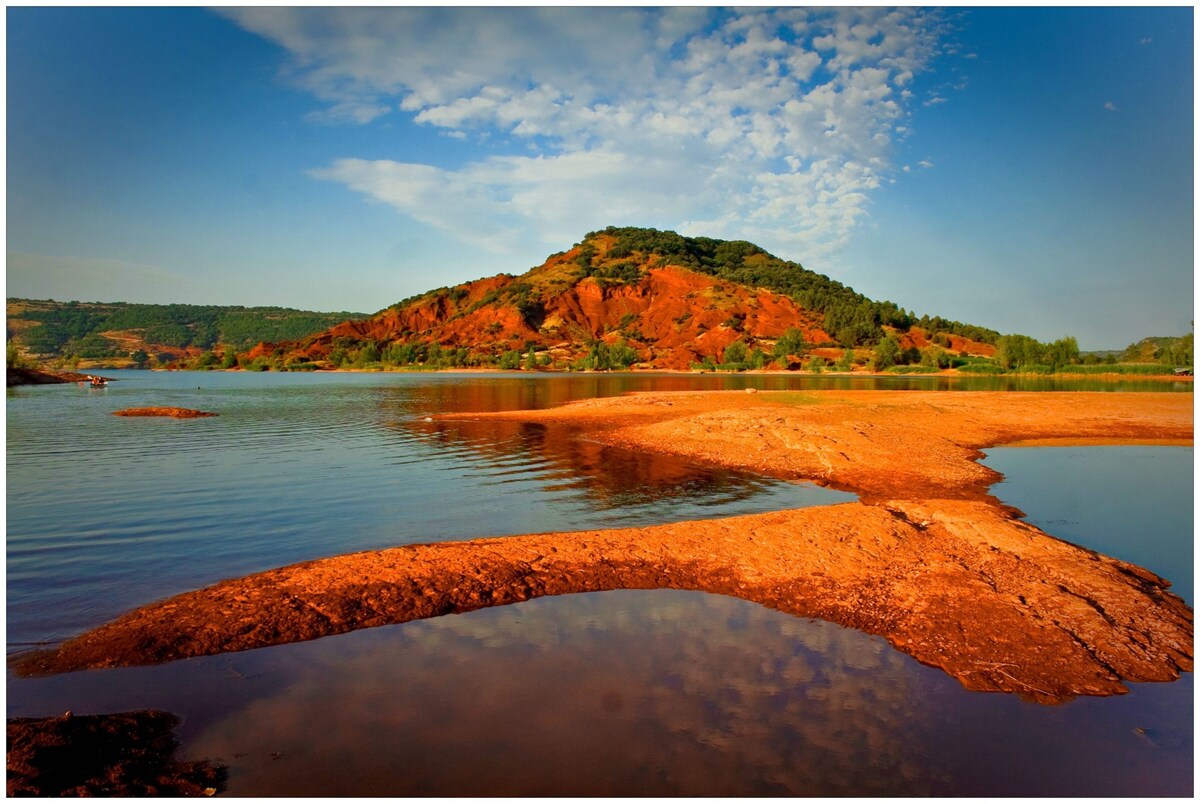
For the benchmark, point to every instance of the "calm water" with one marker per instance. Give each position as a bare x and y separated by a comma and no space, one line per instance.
632,692
1148,507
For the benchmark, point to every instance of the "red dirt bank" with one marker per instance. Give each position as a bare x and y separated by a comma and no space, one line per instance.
928,560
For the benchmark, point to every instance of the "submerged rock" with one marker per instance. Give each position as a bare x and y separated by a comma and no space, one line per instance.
125,754
175,413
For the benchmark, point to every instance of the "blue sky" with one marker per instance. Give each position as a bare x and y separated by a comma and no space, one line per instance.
1025,169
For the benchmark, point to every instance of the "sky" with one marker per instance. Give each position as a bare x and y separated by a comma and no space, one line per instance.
1025,169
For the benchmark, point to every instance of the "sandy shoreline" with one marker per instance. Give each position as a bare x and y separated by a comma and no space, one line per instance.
926,559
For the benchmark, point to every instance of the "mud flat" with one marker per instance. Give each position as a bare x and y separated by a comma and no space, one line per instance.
927,559
174,413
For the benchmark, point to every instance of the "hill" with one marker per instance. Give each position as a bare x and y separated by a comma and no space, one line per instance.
112,333
630,296
1170,350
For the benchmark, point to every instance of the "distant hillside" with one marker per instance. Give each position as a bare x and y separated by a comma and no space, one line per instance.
629,296
1170,351
114,332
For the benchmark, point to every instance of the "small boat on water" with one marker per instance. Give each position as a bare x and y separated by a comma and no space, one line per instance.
98,382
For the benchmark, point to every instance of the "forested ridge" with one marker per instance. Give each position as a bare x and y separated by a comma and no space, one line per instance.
51,329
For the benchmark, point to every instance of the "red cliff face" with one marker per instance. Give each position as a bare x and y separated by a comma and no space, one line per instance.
952,343
671,316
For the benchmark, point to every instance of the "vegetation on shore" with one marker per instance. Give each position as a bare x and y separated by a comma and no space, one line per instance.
737,358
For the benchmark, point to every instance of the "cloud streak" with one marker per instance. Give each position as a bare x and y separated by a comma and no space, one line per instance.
764,123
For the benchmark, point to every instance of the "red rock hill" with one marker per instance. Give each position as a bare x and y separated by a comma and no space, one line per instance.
670,314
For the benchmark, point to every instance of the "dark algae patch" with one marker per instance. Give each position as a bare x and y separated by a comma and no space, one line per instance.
123,754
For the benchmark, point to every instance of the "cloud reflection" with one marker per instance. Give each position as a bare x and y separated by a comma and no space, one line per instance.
650,693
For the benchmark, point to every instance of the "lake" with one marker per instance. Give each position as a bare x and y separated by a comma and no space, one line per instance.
628,692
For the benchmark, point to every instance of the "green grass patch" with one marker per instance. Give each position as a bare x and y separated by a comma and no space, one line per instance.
1118,368
795,398
912,370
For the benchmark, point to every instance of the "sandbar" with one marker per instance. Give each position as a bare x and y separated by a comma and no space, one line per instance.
926,559
174,413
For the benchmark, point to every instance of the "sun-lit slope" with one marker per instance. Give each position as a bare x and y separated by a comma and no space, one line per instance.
674,301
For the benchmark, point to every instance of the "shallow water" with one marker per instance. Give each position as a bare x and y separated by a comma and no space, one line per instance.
629,692
1147,493
106,513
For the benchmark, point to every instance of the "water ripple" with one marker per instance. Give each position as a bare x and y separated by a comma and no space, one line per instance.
108,512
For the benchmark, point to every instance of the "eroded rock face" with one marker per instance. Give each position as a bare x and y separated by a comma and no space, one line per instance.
670,315
944,572
174,413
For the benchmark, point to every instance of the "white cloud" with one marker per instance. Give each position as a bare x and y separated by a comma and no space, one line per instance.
1145,40
770,121
925,163
1112,107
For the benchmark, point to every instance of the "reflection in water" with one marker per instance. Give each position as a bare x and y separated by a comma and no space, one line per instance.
667,694
621,692
632,693
628,487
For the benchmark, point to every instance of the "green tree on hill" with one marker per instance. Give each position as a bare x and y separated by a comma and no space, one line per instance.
14,357
846,363
734,353
790,343
886,353
510,360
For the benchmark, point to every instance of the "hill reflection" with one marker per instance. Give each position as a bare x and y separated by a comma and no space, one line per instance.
604,478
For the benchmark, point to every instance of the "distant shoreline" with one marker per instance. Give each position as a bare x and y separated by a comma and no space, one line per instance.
28,376
946,373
